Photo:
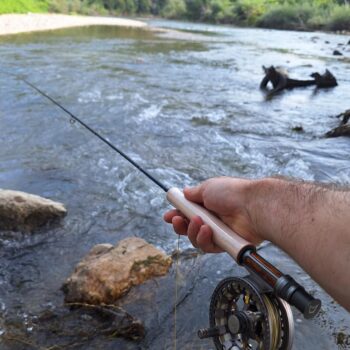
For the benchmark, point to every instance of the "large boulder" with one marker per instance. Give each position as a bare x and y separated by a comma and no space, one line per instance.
20,211
107,272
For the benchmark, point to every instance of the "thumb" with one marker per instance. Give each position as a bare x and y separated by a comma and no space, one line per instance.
194,194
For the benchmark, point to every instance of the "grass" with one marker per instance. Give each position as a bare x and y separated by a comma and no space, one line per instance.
23,6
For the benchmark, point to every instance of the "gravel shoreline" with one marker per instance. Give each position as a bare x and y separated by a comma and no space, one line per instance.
18,23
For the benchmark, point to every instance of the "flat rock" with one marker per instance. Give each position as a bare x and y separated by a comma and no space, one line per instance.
20,211
107,272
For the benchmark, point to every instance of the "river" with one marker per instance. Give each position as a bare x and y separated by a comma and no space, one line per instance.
184,104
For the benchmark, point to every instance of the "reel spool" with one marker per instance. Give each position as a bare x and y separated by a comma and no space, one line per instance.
244,314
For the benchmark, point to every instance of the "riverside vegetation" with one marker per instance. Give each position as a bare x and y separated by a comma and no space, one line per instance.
279,14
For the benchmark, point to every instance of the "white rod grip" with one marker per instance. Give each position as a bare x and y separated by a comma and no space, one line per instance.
223,236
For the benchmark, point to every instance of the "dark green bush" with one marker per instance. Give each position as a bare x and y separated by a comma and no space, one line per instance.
221,11
340,18
287,17
248,11
174,9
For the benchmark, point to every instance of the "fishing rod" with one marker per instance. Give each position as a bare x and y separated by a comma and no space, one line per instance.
254,308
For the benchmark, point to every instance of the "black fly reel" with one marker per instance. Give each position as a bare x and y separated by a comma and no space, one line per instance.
246,315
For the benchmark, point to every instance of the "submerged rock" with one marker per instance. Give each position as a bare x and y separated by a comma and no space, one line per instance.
20,211
337,53
107,272
78,325
298,128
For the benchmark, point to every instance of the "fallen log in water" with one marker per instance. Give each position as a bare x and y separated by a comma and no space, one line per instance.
343,129
280,80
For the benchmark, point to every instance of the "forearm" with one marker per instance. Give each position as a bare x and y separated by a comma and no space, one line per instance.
312,224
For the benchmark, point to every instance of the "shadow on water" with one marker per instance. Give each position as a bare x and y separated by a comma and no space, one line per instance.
185,110
79,34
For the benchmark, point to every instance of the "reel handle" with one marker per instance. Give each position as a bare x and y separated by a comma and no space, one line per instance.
291,291
223,236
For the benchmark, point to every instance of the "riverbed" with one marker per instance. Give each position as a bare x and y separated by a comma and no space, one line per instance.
186,105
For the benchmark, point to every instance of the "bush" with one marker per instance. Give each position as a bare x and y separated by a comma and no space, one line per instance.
221,11
144,6
59,6
174,9
248,11
287,17
317,22
197,9
340,18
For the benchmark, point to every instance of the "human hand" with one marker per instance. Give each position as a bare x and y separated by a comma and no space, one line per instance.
229,199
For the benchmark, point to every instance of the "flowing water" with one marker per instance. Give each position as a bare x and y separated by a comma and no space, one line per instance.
184,104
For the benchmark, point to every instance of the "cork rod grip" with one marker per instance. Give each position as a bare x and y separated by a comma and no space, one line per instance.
223,236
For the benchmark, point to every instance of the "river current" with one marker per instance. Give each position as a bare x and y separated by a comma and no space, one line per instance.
186,105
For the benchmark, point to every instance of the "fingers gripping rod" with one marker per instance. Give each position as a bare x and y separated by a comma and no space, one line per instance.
245,254
238,248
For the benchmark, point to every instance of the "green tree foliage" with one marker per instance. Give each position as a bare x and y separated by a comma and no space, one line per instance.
340,18
249,11
23,6
287,17
281,14
144,6
173,9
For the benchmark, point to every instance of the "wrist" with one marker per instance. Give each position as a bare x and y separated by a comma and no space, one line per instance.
255,192
280,207
272,207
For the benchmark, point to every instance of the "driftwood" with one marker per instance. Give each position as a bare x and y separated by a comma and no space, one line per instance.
326,80
345,117
343,129
280,80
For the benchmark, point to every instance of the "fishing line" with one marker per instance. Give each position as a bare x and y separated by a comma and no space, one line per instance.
176,290
241,250
74,119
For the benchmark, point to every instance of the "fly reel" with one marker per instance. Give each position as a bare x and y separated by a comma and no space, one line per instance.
244,314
